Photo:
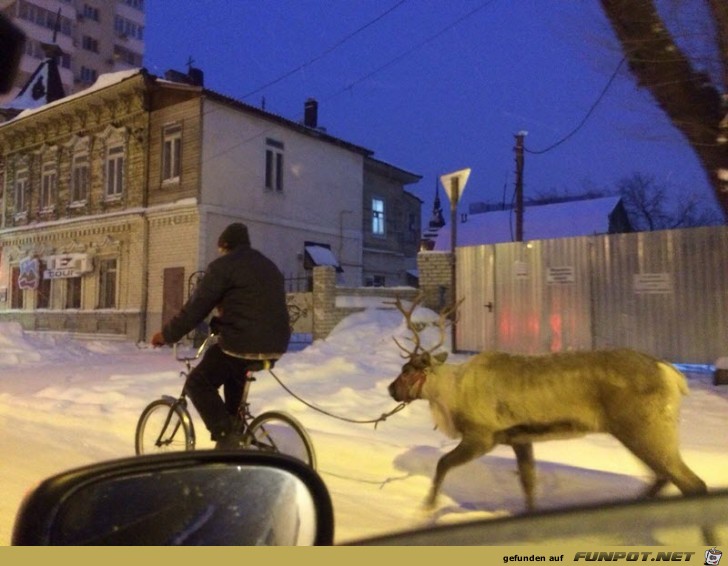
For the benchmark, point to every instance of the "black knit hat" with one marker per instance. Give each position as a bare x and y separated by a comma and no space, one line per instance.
233,236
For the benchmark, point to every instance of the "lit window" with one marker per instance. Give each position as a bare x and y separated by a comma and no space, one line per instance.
378,223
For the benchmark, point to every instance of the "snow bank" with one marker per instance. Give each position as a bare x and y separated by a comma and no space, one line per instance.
14,347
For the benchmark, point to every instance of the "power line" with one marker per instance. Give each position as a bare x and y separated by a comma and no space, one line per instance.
588,114
327,51
348,87
413,48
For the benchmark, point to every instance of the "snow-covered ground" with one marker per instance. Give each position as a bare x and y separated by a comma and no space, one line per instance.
66,403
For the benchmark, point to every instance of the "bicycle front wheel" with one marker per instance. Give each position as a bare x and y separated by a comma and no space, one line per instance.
280,432
164,426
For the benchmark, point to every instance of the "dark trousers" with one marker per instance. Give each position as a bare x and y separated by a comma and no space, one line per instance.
215,370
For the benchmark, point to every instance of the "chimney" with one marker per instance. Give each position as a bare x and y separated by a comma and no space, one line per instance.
197,77
310,113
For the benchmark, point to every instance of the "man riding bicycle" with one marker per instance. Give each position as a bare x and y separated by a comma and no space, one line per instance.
252,325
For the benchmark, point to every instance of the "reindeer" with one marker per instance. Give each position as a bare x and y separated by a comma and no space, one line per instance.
498,398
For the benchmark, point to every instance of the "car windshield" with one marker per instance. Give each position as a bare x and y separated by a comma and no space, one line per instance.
528,168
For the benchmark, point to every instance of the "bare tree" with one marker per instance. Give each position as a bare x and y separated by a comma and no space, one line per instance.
649,208
689,96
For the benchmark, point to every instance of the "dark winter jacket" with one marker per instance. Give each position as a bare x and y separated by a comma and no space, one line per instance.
249,290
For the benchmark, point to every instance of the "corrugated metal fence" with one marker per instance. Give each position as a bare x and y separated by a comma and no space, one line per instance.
665,293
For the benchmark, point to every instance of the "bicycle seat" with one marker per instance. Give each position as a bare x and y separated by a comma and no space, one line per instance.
258,365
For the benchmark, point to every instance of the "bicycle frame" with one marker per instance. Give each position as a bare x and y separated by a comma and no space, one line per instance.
180,402
270,431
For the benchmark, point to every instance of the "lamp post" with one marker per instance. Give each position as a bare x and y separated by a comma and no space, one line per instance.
454,185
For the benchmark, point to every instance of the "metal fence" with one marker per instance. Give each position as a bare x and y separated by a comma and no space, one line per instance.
665,293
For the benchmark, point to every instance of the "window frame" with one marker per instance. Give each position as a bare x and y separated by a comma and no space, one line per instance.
80,178
274,167
74,292
44,289
171,153
16,293
108,283
114,177
20,191
379,218
48,186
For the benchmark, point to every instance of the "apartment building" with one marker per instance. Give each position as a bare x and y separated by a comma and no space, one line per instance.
94,36
112,200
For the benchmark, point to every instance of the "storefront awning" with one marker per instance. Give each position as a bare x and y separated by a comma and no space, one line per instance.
318,255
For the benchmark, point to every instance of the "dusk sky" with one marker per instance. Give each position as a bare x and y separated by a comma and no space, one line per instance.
433,86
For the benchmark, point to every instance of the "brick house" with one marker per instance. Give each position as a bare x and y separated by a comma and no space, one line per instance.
113,198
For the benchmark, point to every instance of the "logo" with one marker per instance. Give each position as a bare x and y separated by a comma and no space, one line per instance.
713,556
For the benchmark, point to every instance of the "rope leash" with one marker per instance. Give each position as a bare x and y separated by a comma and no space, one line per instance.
383,417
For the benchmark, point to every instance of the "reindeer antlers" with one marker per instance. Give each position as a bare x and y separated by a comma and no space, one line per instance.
415,329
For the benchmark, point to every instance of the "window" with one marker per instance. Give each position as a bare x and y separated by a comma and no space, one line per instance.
79,179
171,151
412,227
378,224
107,284
16,293
48,187
115,172
126,28
90,44
274,165
43,300
88,75
375,281
73,293
43,17
21,191
127,56
90,13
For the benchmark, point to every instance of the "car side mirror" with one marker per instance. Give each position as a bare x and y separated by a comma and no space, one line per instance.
185,498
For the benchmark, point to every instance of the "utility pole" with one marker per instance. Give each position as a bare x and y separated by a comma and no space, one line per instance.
519,185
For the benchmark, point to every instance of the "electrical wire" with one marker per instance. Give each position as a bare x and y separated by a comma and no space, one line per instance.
588,114
413,48
325,52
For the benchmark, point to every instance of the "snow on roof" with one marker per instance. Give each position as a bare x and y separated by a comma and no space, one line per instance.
103,81
540,222
321,255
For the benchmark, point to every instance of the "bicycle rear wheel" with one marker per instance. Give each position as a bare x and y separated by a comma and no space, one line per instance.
164,426
280,432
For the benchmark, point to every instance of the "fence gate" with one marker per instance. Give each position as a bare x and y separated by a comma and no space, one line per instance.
475,329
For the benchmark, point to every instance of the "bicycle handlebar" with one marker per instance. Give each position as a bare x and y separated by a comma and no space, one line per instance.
198,352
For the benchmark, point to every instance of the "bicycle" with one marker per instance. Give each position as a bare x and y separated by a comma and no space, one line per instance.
166,423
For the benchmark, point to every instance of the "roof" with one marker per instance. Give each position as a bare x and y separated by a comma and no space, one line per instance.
108,79
307,130
43,87
102,82
540,222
